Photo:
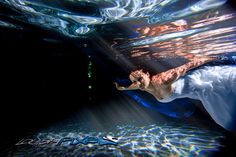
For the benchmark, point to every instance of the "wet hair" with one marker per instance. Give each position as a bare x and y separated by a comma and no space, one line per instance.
145,67
137,74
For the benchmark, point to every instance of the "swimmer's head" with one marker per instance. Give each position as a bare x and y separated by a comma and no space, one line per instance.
140,77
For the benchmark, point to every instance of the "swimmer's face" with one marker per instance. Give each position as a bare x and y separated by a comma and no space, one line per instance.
143,79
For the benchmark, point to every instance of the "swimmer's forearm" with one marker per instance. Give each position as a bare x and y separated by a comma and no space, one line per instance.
133,86
172,75
194,63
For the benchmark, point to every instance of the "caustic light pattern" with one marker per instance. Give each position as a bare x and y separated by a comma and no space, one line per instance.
125,140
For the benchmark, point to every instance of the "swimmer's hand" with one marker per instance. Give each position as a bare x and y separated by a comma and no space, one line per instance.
133,86
119,87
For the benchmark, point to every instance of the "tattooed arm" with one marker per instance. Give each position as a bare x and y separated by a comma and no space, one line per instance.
172,75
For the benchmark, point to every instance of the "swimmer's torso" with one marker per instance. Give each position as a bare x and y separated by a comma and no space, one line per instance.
158,90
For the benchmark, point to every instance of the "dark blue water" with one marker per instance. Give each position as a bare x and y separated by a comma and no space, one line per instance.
150,34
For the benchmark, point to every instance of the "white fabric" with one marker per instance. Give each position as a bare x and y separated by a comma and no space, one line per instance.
215,87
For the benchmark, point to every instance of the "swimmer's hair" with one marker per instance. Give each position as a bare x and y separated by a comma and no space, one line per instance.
137,73
143,70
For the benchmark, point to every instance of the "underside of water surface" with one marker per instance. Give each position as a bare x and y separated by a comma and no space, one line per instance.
61,58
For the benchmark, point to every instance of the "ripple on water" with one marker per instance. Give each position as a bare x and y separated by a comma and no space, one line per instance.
67,16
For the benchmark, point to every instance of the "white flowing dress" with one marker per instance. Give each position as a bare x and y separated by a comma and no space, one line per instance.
215,87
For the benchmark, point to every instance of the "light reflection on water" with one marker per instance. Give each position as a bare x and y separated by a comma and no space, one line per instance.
9,25
61,17
212,33
151,29
150,140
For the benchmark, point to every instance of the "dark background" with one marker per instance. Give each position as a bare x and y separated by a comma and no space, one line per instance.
44,82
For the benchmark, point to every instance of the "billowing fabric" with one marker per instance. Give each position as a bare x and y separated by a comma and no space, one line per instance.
215,87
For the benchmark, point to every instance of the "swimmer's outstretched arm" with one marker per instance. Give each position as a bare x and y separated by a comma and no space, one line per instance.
172,75
133,86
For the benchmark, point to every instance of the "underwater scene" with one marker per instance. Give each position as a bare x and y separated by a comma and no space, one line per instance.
122,78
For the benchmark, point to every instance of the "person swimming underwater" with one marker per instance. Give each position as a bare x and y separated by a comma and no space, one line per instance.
214,86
